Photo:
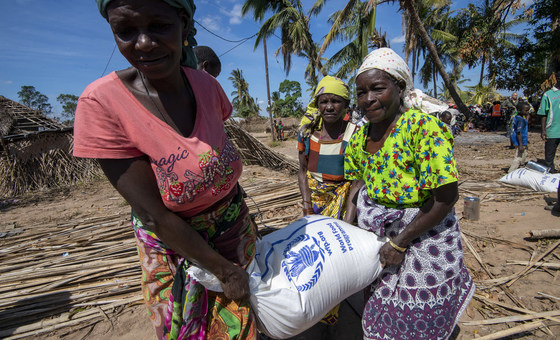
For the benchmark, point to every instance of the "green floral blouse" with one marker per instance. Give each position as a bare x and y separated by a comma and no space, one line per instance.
416,157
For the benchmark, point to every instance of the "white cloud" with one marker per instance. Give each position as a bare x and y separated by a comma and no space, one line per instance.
211,22
398,40
6,82
234,14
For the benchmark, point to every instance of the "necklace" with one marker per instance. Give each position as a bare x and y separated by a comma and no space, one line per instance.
149,96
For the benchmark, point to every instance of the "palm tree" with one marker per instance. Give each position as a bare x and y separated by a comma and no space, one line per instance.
293,23
357,24
356,19
430,12
418,26
481,94
435,16
243,104
488,35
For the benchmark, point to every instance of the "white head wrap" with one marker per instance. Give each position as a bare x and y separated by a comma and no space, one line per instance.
385,59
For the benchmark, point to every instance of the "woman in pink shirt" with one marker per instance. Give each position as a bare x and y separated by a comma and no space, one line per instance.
157,131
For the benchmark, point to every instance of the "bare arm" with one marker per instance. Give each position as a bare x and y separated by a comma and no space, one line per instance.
304,184
543,128
352,201
135,181
519,144
430,215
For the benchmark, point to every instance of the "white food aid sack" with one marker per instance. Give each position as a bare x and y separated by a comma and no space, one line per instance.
304,270
532,179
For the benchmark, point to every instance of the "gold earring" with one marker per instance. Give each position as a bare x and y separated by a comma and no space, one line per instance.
186,43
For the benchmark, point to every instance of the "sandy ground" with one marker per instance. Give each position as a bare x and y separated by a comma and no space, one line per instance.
498,238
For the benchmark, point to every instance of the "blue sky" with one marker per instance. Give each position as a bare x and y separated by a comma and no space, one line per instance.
60,46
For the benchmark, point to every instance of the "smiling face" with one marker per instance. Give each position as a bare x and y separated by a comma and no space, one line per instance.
379,95
332,107
149,34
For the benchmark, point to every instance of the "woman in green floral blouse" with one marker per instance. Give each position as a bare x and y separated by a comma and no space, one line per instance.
404,157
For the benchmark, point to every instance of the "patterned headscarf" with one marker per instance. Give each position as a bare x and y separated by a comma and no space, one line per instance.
385,59
311,120
188,58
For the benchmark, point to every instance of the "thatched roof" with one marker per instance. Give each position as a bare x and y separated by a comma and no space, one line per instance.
18,121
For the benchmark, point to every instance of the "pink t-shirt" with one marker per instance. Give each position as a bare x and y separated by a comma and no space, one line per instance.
192,173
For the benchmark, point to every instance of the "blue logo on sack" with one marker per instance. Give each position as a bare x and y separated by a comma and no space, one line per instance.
308,257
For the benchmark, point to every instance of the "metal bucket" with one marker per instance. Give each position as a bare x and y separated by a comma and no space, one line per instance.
472,209
538,167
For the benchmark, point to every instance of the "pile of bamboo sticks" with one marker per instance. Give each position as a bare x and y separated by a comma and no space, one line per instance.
518,317
252,151
83,271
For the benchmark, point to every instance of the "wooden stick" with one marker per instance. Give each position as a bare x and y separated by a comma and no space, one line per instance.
549,296
497,240
514,318
544,233
510,307
548,251
553,265
514,330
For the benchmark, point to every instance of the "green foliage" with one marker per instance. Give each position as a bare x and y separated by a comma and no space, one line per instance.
69,103
243,104
356,24
290,105
487,36
293,23
527,65
34,99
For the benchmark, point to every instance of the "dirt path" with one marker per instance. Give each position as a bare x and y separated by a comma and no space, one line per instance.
482,158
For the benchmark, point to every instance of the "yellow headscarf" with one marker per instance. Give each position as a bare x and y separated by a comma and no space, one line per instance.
311,120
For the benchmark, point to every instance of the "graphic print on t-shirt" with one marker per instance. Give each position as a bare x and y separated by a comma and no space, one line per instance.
215,172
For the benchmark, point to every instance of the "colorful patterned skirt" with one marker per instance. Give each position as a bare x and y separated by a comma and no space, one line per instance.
178,306
424,297
329,199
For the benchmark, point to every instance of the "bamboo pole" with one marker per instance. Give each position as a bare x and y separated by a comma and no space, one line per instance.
514,330
552,265
548,251
544,233
513,318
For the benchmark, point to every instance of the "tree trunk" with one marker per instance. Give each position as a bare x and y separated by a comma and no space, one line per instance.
434,76
482,70
419,27
272,129
413,63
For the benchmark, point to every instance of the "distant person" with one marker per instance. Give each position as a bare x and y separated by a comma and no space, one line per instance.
275,127
280,129
445,117
519,136
496,115
550,121
357,116
510,106
208,60
348,115
511,102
